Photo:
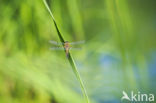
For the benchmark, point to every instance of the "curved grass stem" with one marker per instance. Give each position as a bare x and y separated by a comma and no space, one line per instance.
70,59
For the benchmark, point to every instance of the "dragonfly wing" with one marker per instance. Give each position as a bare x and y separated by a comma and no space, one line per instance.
55,43
57,48
75,48
78,42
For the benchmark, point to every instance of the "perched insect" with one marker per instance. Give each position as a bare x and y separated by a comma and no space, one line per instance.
66,46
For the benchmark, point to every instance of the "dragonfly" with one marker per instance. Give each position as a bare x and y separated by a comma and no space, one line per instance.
66,46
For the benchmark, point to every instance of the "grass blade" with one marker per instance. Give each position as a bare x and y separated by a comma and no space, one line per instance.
70,59
58,32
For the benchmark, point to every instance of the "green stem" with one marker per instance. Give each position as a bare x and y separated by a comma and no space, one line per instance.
70,59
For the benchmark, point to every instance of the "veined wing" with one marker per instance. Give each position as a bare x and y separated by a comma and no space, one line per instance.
72,48
78,42
55,43
57,48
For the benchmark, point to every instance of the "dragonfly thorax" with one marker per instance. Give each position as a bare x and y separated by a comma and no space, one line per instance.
66,44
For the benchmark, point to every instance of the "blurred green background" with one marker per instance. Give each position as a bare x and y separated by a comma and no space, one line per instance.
119,53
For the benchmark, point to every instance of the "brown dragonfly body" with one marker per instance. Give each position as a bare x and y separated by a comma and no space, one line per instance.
67,47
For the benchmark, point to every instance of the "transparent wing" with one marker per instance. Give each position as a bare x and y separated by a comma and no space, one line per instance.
78,42
56,48
55,43
75,48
